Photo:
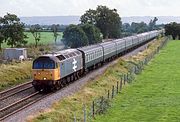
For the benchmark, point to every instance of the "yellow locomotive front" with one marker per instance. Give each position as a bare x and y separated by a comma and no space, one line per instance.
46,73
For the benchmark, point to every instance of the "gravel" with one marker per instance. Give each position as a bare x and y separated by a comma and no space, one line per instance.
69,90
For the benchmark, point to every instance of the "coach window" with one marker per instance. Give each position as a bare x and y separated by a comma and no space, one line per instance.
88,57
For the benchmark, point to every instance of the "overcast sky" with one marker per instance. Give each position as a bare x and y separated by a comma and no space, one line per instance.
78,7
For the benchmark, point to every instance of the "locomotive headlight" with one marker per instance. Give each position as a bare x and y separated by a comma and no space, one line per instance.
44,78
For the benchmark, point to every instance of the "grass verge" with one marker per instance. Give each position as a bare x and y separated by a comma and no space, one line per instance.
154,96
13,74
64,110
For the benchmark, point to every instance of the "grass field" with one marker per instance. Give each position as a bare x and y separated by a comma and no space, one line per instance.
13,74
63,111
155,94
46,38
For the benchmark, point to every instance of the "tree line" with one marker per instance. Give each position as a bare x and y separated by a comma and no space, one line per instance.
173,29
135,28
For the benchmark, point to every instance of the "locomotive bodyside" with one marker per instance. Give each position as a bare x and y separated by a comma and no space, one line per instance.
70,61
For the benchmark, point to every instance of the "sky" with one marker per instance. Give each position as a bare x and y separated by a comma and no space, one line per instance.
126,8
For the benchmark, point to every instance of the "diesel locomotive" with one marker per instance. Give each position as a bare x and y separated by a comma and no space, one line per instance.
53,71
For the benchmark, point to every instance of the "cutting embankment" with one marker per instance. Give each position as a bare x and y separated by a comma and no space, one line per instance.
154,95
65,109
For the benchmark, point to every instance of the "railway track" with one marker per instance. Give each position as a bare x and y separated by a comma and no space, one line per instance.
16,98
14,90
20,104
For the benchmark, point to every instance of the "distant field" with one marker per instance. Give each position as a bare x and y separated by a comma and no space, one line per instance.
46,38
155,94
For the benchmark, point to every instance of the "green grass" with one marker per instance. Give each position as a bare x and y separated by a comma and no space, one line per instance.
155,94
15,73
46,38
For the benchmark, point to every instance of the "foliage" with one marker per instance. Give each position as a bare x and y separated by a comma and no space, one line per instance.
107,20
74,36
13,30
93,33
139,27
152,24
35,30
48,28
173,29
54,28
134,27
1,32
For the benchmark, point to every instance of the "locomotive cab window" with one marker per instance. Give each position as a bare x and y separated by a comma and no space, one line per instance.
44,63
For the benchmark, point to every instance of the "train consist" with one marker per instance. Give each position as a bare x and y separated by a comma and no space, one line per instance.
53,71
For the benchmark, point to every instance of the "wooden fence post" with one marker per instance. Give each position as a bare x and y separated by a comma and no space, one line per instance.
84,110
74,117
108,94
124,79
117,87
93,109
127,77
120,85
113,92
102,109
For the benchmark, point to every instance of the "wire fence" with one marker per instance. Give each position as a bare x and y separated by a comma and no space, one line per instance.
100,105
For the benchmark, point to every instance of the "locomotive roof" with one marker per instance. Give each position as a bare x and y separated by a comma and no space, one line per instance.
54,58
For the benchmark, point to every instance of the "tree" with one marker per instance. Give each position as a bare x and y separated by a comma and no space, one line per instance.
1,32
13,30
89,17
107,20
152,24
35,30
173,29
74,37
93,33
54,28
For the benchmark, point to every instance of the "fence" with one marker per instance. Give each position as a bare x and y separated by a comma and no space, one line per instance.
99,106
